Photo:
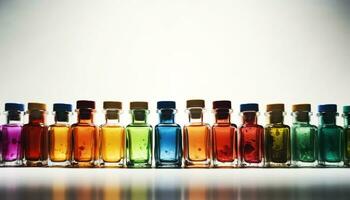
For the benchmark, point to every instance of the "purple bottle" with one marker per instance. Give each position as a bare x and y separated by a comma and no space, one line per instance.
11,137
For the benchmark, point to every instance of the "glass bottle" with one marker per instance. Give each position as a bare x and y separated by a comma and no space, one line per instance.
346,116
197,136
112,144
35,135
277,137
60,136
330,137
139,136
303,137
85,136
168,140
224,136
251,142
11,137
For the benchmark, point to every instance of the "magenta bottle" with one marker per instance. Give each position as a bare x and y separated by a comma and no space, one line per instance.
11,137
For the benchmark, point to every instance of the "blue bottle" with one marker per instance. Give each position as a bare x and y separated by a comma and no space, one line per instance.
168,145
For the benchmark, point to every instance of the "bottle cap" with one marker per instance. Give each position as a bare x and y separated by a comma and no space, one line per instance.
112,105
222,104
138,105
36,106
195,103
301,107
327,108
275,107
14,107
166,104
84,104
249,107
62,107
346,109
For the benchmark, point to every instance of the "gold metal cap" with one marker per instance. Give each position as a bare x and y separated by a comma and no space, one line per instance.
112,105
301,107
275,107
138,105
36,106
195,103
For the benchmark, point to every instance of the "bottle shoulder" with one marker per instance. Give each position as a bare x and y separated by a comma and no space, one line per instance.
258,126
83,125
59,126
111,126
35,125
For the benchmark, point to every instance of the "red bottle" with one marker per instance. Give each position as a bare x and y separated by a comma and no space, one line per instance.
251,147
35,135
224,136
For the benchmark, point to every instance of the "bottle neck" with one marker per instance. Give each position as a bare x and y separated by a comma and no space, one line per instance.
14,117
301,117
139,116
195,115
167,116
249,118
346,117
275,117
37,117
62,117
85,116
222,116
328,118
112,116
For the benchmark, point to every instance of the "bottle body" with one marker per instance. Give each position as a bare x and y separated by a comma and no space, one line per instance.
139,145
225,145
35,144
277,145
347,146
330,146
197,147
251,145
11,144
168,145
60,144
112,145
304,145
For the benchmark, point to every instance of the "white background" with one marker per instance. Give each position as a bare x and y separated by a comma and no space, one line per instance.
244,51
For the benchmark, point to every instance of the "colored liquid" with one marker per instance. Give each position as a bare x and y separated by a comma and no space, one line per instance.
225,143
11,142
112,144
60,143
347,144
35,144
139,143
168,145
197,145
84,144
330,144
277,146
251,144
304,146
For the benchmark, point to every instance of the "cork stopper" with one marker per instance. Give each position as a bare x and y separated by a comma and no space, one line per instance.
112,105
195,103
301,108
275,107
138,105
36,106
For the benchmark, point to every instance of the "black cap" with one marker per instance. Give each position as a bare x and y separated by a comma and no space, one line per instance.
84,104
166,105
14,107
62,107
222,104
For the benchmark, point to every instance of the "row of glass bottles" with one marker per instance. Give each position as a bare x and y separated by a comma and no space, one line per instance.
83,144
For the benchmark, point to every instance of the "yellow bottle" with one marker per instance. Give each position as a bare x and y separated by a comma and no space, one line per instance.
112,138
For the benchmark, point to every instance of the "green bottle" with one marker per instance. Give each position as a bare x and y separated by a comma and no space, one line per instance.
139,137
277,137
346,116
304,137
330,137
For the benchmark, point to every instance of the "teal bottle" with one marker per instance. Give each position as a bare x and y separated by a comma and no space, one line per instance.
303,137
330,137
139,137
346,116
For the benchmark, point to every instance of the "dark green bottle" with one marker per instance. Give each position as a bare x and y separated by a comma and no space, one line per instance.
277,137
346,116
330,137
304,137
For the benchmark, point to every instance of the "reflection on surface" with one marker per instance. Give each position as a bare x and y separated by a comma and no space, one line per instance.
65,184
